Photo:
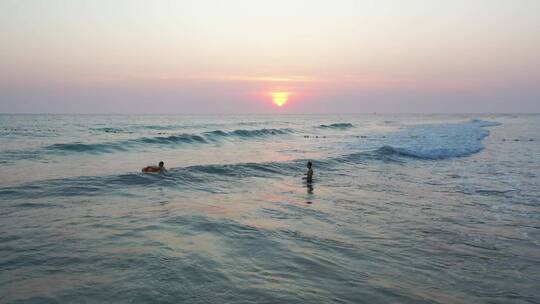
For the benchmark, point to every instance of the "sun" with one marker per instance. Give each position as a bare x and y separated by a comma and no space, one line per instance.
280,98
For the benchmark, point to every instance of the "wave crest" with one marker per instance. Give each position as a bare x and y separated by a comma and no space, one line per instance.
432,154
341,126
173,139
207,137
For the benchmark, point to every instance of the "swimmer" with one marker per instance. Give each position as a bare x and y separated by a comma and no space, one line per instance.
309,173
156,169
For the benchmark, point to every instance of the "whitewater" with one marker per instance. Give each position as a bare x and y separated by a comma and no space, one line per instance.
404,209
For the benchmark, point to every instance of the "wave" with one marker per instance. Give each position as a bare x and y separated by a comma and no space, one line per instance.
205,138
456,140
126,144
485,123
260,132
173,139
82,147
199,178
441,141
422,142
134,128
110,130
129,129
340,126
204,178
160,127
256,123
9,157
432,154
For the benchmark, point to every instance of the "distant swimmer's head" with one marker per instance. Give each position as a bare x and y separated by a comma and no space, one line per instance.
161,164
309,164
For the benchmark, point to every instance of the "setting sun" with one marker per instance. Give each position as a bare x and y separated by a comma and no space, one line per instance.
280,98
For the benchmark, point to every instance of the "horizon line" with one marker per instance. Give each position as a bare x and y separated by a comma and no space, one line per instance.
314,113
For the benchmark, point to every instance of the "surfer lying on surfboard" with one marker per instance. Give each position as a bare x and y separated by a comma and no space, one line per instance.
156,169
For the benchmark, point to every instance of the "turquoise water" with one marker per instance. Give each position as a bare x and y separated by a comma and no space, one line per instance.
404,209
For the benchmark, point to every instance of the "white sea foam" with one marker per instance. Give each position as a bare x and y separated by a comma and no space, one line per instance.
439,141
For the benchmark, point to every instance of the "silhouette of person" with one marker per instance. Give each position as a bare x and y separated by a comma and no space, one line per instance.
155,169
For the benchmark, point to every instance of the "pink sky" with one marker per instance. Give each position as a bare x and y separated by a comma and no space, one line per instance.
226,56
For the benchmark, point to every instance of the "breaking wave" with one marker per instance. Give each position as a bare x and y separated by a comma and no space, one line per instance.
248,133
207,137
441,141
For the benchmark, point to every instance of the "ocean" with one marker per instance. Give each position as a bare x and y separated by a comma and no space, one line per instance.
403,209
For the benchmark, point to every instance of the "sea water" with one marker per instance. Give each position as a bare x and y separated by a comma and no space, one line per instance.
403,209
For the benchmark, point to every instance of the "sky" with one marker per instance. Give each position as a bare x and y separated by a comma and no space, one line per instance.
248,56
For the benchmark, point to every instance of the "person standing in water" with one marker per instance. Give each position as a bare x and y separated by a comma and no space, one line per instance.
160,168
309,173
309,180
